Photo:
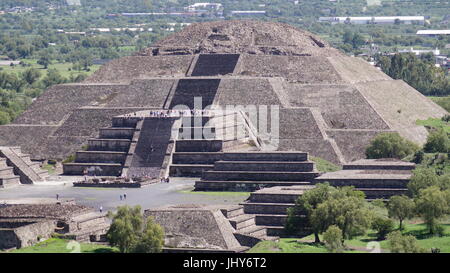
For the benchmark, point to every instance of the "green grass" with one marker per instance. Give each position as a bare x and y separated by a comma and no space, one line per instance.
359,244
56,245
289,245
444,102
49,168
63,68
323,165
435,123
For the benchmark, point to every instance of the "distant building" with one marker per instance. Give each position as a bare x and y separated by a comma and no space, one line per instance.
203,6
418,52
248,12
73,2
134,14
374,20
433,32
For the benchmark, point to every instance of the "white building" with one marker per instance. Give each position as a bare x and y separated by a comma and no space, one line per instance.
374,20
433,32
417,52
202,6
248,12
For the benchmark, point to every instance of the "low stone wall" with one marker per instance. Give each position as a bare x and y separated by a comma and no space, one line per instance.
189,170
99,169
26,235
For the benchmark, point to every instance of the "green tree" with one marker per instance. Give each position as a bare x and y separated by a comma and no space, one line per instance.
130,235
399,243
432,204
383,226
437,142
390,145
152,239
401,208
125,228
345,208
422,178
53,77
333,239
31,75
304,207
4,118
45,60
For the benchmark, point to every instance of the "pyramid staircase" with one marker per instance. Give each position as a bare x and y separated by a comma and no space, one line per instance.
201,141
250,171
107,154
263,216
17,168
7,176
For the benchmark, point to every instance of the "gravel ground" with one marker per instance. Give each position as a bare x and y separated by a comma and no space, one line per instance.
152,196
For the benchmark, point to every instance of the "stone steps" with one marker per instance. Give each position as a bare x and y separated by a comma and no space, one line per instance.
206,158
3,162
233,211
28,171
242,221
382,193
265,156
375,165
258,176
209,185
304,166
4,171
362,183
267,208
9,181
105,144
195,145
117,133
272,198
256,231
276,220
189,170
100,157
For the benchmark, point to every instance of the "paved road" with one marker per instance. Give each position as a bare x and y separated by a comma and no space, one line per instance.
152,196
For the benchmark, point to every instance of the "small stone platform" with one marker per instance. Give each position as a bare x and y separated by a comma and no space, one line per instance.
24,222
377,178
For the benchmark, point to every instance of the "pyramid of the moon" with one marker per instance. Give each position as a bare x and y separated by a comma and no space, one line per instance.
331,105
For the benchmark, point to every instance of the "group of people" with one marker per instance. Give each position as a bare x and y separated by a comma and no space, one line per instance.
178,113
164,179
172,113
123,197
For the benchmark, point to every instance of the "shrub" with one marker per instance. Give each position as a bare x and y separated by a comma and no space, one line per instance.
390,145
333,239
69,159
399,243
437,142
418,157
